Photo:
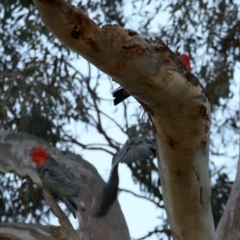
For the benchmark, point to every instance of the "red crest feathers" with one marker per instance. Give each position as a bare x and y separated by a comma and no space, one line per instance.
39,155
186,61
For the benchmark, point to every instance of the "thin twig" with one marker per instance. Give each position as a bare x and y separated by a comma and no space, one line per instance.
139,196
112,119
87,146
68,230
99,126
149,234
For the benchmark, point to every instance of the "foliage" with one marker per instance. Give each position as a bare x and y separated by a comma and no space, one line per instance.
220,192
42,91
22,202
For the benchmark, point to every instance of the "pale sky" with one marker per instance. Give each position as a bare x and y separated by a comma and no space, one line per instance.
141,215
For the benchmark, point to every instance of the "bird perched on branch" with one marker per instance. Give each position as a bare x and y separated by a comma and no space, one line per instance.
120,94
135,149
56,181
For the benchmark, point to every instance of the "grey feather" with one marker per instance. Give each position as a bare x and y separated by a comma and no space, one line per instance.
71,205
135,149
60,186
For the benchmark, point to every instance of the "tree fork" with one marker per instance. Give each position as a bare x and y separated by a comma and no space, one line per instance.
149,71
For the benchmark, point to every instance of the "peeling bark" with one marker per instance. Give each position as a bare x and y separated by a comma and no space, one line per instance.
15,157
173,97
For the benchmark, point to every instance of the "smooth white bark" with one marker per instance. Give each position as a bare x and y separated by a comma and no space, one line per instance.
180,112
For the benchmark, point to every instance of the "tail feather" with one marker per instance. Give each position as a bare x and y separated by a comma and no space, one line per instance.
119,95
71,206
109,194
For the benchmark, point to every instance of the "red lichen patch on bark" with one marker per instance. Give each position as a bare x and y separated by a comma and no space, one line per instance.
80,32
92,43
74,18
78,17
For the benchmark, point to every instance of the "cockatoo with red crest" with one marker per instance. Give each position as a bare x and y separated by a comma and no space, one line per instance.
56,181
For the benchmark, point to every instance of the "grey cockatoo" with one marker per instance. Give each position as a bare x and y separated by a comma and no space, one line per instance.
135,149
56,181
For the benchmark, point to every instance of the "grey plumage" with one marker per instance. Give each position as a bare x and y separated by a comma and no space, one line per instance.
135,149
60,186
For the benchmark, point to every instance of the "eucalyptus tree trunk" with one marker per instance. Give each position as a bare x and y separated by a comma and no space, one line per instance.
173,97
179,110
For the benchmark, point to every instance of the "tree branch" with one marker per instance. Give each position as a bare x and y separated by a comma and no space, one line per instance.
14,157
67,228
228,227
88,146
23,231
99,125
173,97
